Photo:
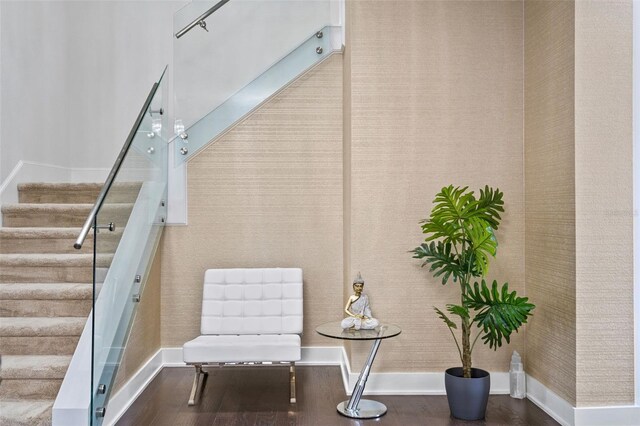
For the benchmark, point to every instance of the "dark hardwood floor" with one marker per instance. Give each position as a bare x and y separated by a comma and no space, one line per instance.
260,396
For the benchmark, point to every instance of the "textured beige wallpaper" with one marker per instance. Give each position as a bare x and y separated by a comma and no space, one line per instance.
578,176
550,194
267,194
144,340
604,203
436,95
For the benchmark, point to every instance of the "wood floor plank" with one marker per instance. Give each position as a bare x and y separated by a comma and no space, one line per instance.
259,396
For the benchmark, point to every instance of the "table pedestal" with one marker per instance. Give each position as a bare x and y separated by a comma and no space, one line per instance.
356,407
367,409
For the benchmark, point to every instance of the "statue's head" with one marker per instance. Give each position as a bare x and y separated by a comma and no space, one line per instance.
358,284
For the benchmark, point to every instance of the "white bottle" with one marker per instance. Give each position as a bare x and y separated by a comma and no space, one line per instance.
517,379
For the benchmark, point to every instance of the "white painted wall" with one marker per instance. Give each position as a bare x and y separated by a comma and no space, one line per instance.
73,76
636,193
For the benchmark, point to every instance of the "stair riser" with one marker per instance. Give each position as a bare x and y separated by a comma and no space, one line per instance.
45,308
62,218
29,413
41,345
47,367
42,245
106,244
30,388
46,274
76,196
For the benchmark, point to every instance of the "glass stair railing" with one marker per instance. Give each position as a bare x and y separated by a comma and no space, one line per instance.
141,181
310,53
133,201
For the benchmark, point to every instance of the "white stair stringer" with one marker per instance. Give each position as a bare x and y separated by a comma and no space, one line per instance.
113,308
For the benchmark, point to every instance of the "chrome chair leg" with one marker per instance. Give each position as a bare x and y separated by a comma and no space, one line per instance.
292,382
198,384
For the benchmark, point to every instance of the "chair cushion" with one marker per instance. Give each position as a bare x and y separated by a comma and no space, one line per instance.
242,348
252,301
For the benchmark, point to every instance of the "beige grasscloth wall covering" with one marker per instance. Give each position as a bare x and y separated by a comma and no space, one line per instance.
578,176
604,203
550,193
436,99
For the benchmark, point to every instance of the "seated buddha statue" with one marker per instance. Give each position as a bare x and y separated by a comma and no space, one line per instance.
358,310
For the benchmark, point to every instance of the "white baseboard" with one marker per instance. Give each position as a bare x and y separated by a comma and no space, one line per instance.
608,416
390,384
130,391
550,402
568,415
418,383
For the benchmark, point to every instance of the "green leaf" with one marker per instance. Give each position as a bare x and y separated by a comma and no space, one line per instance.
443,262
488,206
483,243
451,204
500,312
468,224
438,227
458,310
445,318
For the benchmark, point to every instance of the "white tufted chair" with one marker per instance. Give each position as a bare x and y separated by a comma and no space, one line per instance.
249,316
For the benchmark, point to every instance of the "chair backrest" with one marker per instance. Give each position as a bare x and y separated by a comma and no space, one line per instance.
252,301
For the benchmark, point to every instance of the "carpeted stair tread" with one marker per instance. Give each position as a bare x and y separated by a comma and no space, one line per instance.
41,326
47,207
36,232
53,259
46,291
52,186
34,366
25,413
57,207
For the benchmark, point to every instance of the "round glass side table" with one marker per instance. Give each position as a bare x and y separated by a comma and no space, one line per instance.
356,407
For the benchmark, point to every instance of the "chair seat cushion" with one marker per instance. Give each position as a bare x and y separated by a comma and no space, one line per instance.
242,348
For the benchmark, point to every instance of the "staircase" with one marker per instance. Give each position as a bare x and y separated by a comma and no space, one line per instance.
46,289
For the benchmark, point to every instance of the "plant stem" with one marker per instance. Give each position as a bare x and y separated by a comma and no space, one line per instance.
475,340
455,339
466,326
466,348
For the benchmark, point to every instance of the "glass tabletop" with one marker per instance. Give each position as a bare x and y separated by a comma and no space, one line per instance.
334,330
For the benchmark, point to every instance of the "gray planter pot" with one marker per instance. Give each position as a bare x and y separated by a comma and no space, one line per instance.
467,397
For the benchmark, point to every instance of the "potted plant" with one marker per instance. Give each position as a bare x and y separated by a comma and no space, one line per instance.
459,242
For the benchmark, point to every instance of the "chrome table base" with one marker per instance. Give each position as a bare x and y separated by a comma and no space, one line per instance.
367,409
356,407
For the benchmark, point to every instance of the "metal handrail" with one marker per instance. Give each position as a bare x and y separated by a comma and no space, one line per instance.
114,170
200,19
